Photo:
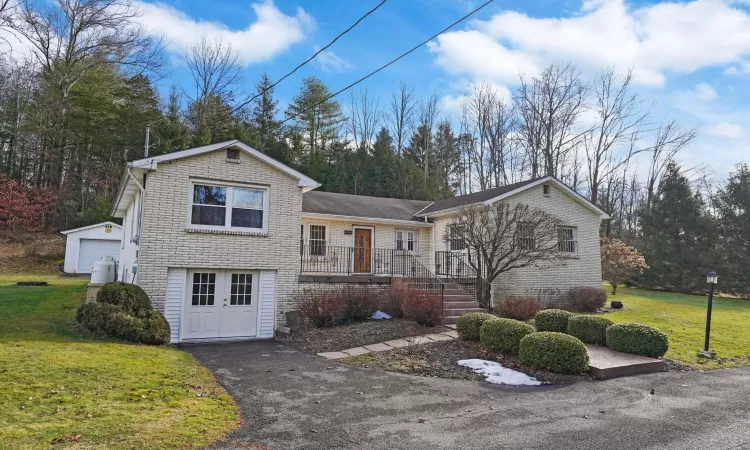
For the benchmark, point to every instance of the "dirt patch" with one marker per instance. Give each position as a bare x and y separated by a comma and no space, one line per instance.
317,340
439,360
32,254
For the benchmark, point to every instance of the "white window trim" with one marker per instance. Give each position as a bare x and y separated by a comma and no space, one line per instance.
405,240
228,206
575,240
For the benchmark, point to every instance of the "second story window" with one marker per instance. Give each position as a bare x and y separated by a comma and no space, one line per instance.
229,207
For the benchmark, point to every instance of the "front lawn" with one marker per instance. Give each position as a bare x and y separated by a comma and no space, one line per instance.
60,389
683,318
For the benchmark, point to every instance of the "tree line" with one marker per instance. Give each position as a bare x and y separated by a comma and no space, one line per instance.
75,110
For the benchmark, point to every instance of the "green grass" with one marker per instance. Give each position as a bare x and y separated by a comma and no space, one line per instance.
683,318
60,389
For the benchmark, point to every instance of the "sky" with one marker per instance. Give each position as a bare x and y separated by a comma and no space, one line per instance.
692,58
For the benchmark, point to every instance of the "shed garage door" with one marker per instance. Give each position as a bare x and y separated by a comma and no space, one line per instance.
92,250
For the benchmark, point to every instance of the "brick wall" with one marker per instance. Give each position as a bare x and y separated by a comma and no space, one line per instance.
166,243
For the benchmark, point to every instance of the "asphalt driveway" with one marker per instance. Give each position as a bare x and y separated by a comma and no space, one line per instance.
293,400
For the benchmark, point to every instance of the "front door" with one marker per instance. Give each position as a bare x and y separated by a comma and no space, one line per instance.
362,250
221,304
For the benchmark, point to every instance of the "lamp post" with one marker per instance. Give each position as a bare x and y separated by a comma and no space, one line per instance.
711,279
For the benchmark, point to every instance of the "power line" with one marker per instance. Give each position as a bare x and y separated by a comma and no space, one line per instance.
389,63
311,58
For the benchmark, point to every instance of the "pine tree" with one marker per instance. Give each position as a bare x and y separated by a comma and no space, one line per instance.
677,236
734,221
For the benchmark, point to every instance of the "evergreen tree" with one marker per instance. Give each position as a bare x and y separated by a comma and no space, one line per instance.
734,221
318,125
170,132
677,236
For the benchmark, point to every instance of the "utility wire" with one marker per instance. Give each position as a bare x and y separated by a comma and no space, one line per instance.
243,104
388,64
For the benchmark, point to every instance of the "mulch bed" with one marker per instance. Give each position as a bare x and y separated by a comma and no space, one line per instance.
439,360
317,340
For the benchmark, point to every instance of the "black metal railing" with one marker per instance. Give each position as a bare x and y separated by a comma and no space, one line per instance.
329,259
317,258
456,267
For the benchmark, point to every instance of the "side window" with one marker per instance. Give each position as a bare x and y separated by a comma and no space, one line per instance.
317,240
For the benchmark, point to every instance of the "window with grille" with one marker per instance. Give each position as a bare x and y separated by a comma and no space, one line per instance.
241,289
456,239
567,240
406,240
317,240
204,289
525,236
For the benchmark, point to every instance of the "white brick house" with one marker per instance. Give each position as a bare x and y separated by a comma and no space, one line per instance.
221,237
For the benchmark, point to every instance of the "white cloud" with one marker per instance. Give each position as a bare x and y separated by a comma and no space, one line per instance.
452,105
741,68
702,92
654,40
724,130
271,34
328,61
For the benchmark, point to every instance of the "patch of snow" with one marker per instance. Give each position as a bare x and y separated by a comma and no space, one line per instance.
379,315
497,374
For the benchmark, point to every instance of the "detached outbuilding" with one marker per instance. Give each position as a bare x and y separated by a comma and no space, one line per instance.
87,245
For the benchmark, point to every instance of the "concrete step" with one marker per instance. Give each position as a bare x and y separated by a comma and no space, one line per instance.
605,363
461,311
461,305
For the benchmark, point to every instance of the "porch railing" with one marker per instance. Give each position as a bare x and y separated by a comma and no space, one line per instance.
455,266
329,259
316,258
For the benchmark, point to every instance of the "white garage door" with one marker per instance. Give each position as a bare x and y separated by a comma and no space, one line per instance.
92,250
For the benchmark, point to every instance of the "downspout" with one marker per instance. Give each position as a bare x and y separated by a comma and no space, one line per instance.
139,227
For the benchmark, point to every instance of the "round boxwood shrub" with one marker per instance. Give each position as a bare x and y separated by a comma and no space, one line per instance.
468,325
503,335
129,297
637,339
589,329
156,329
552,320
556,352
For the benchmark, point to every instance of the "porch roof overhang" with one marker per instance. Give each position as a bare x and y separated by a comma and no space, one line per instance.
368,220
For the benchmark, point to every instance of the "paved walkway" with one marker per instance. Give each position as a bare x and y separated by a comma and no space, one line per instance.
293,400
390,345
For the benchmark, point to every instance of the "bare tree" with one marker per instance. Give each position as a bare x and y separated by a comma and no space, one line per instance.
503,237
501,145
620,117
365,118
428,113
669,140
549,107
401,116
214,67
478,109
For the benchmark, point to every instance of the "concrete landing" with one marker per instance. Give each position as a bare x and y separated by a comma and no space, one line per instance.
605,363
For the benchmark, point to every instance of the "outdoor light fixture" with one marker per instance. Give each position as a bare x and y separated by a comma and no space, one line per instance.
711,279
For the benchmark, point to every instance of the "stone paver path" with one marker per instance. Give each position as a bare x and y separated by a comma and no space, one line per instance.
390,345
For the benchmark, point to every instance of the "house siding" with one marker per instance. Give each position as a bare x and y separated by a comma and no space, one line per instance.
549,281
166,243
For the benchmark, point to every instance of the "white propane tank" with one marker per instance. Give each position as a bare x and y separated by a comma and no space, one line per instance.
103,271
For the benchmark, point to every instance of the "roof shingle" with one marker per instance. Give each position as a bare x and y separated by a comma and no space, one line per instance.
361,206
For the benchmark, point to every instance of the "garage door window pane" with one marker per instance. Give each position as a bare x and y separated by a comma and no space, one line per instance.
204,288
242,288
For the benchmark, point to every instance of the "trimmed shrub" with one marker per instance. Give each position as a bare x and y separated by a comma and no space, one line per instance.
589,329
552,320
125,327
519,307
156,329
468,325
93,317
503,335
586,299
422,307
361,303
556,352
322,308
130,298
637,339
